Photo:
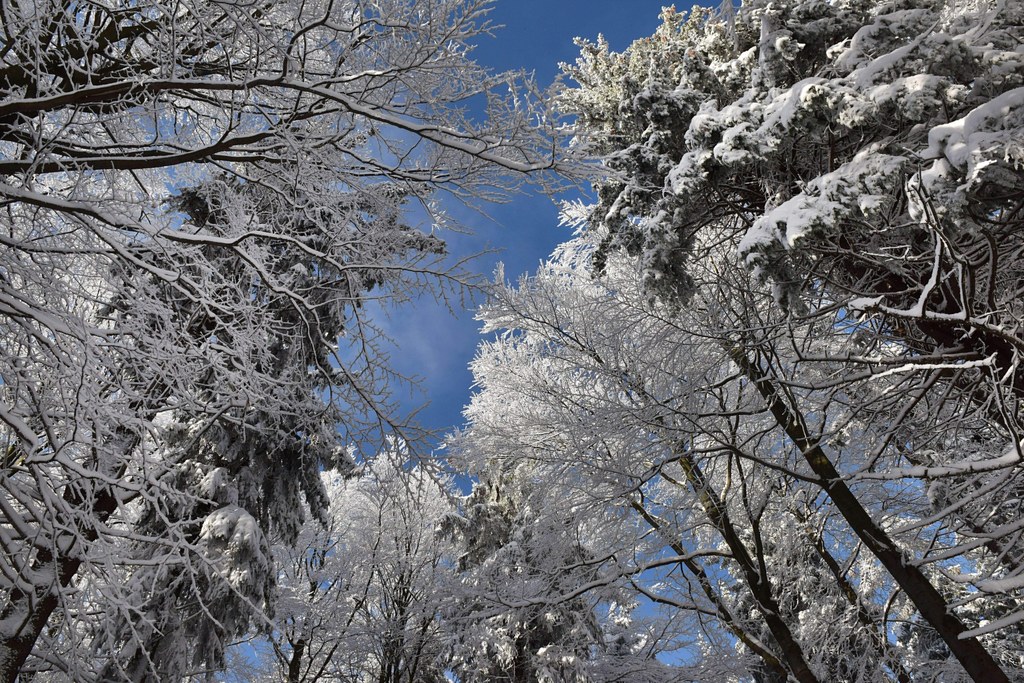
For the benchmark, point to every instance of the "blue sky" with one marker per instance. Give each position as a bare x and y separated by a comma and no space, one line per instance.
431,343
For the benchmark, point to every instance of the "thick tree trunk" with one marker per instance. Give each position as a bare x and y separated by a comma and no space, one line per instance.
974,658
295,663
37,605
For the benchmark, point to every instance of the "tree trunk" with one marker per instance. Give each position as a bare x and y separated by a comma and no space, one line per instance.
295,663
757,583
37,605
771,662
974,658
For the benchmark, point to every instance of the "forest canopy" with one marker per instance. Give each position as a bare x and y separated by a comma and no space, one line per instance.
758,420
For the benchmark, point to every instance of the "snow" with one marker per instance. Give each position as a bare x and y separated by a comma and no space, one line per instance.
962,140
235,543
995,625
738,136
864,43
1011,458
781,111
919,96
233,524
863,304
861,187
217,485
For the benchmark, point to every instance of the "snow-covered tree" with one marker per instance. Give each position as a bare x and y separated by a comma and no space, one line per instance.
360,597
261,466
539,595
196,196
863,158
638,416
